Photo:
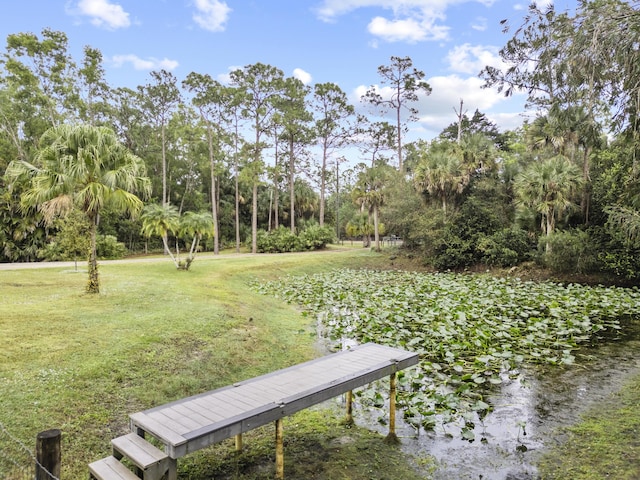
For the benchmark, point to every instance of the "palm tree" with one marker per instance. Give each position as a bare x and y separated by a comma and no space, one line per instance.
548,188
369,192
198,226
161,220
443,174
86,167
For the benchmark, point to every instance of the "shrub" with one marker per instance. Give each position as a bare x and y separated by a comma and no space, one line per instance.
505,248
316,237
570,252
108,247
278,241
452,252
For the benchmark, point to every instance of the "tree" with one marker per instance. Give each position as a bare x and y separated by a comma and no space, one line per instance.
333,112
369,192
159,99
588,57
379,137
478,123
86,167
42,75
212,100
441,172
548,187
94,106
161,220
292,114
261,84
198,226
405,83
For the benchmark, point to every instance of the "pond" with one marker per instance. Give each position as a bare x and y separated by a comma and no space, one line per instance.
528,413
504,362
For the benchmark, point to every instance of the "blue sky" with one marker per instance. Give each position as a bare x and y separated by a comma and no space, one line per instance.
340,41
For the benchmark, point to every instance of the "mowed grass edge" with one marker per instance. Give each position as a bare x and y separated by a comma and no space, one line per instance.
82,363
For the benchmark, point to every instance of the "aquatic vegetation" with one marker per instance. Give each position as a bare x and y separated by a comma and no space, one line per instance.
471,331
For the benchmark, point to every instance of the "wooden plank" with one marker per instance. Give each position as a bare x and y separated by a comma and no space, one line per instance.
186,421
158,430
138,450
110,469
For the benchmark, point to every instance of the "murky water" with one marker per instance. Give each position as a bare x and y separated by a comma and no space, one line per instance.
528,413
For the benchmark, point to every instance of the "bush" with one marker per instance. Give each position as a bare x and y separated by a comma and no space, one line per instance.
505,248
108,247
452,252
279,240
316,237
570,252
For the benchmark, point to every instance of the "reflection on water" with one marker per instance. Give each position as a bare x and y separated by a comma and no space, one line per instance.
528,411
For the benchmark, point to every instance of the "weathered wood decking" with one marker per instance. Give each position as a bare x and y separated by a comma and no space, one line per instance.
195,422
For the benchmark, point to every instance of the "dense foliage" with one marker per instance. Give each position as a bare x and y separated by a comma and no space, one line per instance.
471,331
265,151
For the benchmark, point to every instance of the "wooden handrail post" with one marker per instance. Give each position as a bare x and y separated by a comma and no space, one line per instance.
279,450
48,454
392,438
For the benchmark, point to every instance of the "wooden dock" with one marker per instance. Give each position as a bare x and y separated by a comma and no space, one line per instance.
192,423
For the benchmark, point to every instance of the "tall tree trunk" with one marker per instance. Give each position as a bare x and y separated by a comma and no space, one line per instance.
254,218
237,191
323,182
399,127
164,166
214,203
292,193
93,285
376,230
586,192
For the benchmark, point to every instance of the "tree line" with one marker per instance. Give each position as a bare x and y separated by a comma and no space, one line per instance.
264,153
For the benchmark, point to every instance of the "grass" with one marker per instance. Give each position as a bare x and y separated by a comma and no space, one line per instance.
605,444
82,363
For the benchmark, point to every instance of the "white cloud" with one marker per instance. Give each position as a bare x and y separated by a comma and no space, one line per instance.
436,111
212,14
103,13
226,77
410,20
471,59
144,64
480,24
304,77
409,30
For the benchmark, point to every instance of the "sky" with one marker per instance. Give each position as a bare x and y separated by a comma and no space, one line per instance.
317,41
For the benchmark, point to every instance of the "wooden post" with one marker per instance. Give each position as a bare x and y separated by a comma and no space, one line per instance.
239,442
48,455
279,450
349,419
392,438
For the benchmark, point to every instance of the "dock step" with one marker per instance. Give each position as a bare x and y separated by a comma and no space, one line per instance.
153,463
110,468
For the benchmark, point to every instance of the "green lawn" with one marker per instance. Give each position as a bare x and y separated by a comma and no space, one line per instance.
82,363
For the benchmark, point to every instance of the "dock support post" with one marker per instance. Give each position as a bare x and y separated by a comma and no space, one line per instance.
279,450
392,438
349,419
238,442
